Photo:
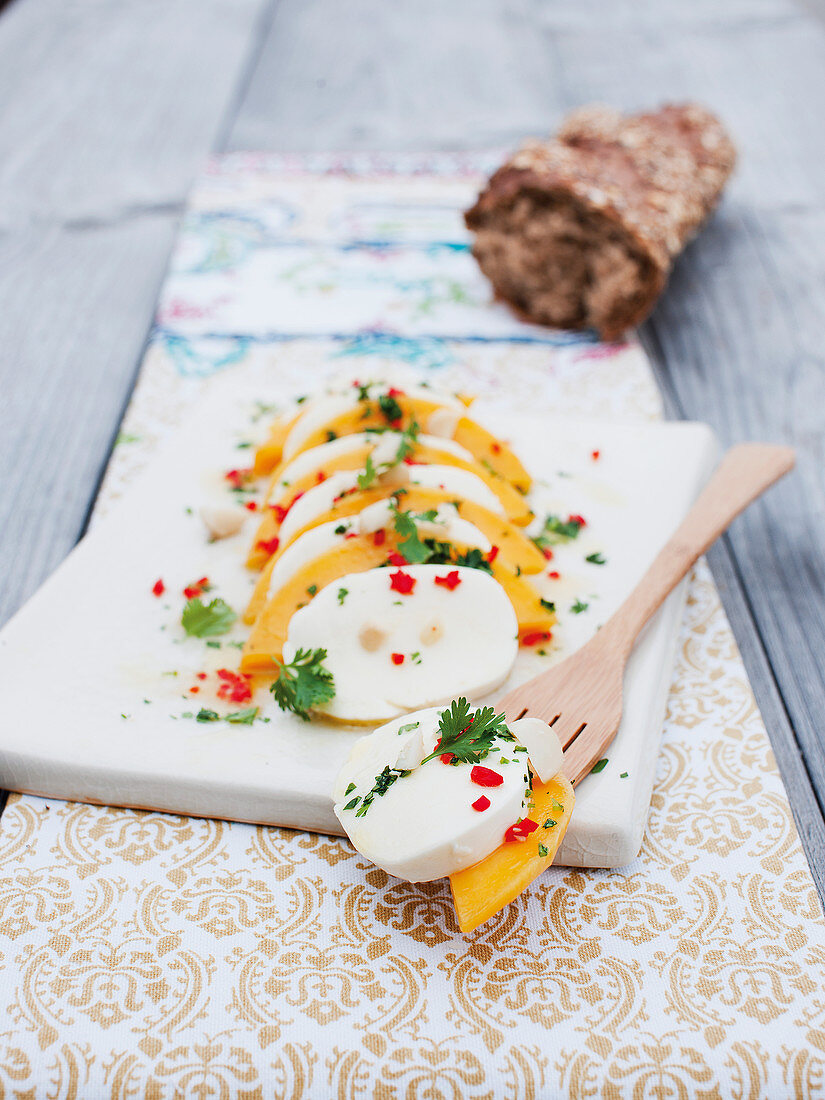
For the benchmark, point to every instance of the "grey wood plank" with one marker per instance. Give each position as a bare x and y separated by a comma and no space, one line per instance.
108,114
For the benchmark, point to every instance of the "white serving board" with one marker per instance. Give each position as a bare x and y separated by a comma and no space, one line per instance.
95,671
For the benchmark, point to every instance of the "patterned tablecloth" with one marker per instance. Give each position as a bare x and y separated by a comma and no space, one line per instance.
145,955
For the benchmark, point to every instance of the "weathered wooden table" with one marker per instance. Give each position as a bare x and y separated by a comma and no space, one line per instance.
108,114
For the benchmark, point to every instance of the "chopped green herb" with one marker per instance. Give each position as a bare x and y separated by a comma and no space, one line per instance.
353,802
205,715
543,850
341,529
406,729
331,435
554,802
342,594
469,737
548,605
382,784
201,619
410,546
579,606
300,400
623,775
244,445
214,645
243,717
349,789
125,716
599,766
596,559
303,682
364,391
390,408
236,645
188,511
312,589
550,823
369,475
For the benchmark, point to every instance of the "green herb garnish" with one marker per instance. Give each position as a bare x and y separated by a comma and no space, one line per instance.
203,620
382,784
579,606
342,595
243,717
543,850
390,408
205,715
548,605
597,558
303,682
469,737
599,766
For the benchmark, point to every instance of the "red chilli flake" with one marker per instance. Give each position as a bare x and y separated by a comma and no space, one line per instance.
481,804
158,588
194,689
447,758
251,506
402,582
548,553
234,687
496,448
393,392
595,455
553,575
320,476
536,637
397,559
582,522
397,658
451,581
379,537
196,588
521,830
485,777
238,478
491,557
279,512
351,535
201,675
269,546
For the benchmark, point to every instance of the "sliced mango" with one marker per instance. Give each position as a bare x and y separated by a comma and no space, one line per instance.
480,891
492,453
368,414
268,455
517,550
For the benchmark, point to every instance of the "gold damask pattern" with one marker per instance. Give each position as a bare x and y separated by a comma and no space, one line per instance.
144,955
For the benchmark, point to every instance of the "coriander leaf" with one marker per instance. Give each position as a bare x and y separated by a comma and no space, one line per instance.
205,715
203,620
468,737
550,823
350,788
342,595
406,729
407,442
548,605
596,559
243,717
303,682
556,530
599,766
390,408
411,547
543,850
579,606
369,475
474,559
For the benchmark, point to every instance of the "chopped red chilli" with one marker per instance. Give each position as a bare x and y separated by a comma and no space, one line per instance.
402,582
553,575
535,637
234,687
452,580
158,588
491,557
397,559
196,588
397,658
269,546
279,512
595,455
486,777
521,830
251,506
379,537
238,478
481,804
582,522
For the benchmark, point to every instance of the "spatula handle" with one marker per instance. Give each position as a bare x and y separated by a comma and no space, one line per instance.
742,475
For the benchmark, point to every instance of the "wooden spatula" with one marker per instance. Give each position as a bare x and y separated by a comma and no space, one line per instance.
581,698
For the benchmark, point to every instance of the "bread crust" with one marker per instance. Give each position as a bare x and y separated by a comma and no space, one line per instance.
582,231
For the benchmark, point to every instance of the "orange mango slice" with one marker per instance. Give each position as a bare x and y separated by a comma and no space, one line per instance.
517,550
480,891
492,453
268,455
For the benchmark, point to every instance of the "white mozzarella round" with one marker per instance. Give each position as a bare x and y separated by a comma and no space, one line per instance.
424,826
330,406
543,747
321,498
313,460
391,652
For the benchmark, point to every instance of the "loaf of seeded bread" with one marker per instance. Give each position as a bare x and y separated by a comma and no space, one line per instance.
582,231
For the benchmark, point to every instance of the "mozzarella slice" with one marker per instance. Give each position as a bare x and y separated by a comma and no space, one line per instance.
314,460
321,498
330,406
424,825
543,747
390,652
309,546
